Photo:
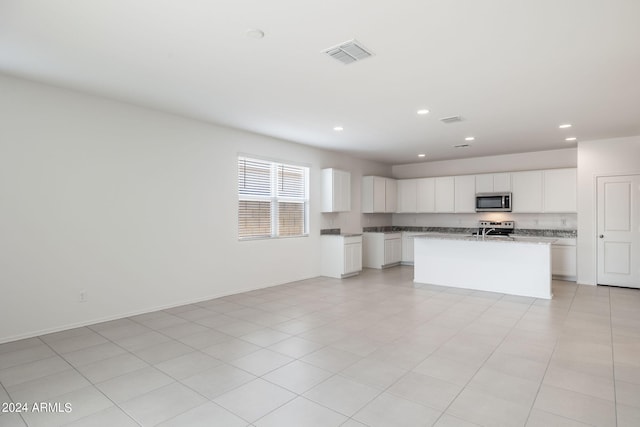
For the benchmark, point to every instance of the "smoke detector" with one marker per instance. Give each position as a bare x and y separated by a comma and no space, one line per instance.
349,52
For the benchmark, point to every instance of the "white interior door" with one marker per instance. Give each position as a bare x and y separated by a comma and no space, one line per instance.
618,202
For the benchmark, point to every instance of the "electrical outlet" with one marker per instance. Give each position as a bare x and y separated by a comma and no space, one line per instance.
564,222
83,296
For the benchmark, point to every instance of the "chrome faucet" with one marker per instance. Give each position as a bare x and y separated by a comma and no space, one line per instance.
486,232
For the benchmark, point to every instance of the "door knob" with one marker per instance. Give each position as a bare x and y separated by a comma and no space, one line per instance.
602,236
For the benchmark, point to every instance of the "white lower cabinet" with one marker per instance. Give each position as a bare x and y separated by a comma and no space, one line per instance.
407,246
341,256
381,250
563,259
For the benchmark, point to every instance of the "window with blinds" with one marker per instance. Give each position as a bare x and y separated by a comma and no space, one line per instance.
273,199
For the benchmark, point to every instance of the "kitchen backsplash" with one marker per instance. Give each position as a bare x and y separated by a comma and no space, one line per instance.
522,221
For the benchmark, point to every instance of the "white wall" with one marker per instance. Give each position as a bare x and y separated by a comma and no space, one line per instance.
553,159
619,156
136,207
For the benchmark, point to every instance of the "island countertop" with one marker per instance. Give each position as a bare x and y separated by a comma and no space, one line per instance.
502,239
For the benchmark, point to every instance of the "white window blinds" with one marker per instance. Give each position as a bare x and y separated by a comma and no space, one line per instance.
272,199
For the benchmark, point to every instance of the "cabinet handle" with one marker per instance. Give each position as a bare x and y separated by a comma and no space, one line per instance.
602,236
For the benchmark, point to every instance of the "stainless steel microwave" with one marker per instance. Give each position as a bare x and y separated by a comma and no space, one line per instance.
493,202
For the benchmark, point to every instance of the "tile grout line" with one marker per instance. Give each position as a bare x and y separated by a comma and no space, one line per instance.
349,417
91,384
551,358
12,401
613,360
485,361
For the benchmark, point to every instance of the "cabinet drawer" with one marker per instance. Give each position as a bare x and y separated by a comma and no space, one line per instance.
352,239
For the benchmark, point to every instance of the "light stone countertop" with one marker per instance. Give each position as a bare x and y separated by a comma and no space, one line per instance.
489,238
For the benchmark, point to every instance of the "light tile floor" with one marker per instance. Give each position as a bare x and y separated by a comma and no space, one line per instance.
373,350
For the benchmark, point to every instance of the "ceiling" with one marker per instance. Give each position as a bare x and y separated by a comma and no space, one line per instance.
513,69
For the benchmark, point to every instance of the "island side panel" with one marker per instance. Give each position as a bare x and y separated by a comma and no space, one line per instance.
515,268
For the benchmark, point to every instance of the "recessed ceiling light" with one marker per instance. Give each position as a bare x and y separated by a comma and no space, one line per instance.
422,155
338,128
571,138
470,138
422,112
255,33
565,126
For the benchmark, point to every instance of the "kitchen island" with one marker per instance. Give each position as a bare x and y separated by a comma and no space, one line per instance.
509,265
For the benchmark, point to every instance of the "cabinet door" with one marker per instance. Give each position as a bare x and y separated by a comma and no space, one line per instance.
397,250
352,258
527,191
445,190
560,188
344,191
407,196
407,247
501,182
373,194
465,193
493,183
328,196
392,251
426,195
484,183
379,192
390,186
336,190
563,260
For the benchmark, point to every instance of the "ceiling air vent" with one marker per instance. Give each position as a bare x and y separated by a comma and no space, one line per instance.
452,119
461,146
349,52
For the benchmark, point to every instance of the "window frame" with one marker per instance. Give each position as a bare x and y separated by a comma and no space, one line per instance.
274,198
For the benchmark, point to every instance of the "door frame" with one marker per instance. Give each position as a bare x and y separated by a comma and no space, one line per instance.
594,210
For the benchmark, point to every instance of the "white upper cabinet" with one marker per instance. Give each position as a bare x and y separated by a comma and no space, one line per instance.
493,182
445,190
426,195
407,196
378,194
538,191
336,190
501,182
465,193
391,195
527,191
560,188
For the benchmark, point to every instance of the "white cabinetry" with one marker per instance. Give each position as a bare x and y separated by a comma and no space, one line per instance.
378,194
563,259
381,250
493,182
465,193
545,191
407,196
445,188
538,191
407,246
560,188
527,191
341,256
391,195
336,190
426,195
